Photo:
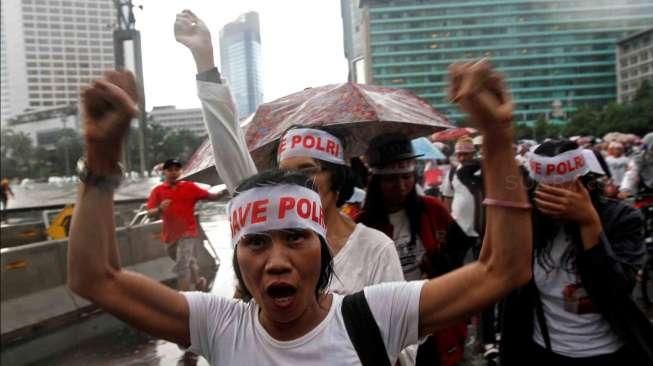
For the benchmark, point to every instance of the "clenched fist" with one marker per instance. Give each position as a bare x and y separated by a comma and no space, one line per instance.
108,106
481,92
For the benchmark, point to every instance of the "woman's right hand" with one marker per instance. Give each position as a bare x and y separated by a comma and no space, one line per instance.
481,93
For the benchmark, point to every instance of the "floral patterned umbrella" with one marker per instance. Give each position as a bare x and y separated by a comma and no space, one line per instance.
358,111
201,166
453,134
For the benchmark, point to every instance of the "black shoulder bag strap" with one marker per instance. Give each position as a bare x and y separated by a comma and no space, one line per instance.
363,330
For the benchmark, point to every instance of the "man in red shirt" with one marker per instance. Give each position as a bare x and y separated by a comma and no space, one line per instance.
174,201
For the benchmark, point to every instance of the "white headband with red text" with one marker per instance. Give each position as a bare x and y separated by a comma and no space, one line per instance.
278,207
316,144
561,168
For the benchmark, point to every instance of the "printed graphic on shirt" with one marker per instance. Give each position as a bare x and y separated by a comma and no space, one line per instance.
410,255
577,300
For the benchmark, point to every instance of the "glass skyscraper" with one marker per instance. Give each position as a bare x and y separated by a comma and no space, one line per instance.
554,52
240,60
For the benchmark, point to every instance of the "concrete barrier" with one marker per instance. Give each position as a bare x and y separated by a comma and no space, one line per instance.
24,233
33,276
35,300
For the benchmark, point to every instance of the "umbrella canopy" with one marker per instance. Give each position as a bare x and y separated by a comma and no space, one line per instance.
201,166
357,111
428,151
453,134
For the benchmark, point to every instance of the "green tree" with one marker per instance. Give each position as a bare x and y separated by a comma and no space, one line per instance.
17,153
635,116
161,144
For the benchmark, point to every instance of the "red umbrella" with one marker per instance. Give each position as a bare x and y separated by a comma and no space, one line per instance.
453,134
359,111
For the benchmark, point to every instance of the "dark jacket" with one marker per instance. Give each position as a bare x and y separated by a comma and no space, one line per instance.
607,272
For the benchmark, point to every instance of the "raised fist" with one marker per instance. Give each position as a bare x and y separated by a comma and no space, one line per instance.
481,92
192,32
108,106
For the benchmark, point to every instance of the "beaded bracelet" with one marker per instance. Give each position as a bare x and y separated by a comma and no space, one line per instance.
507,204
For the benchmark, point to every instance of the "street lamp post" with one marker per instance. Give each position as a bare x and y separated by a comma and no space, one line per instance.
65,141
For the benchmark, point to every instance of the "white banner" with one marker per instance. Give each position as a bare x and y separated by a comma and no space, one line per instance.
316,144
558,169
275,208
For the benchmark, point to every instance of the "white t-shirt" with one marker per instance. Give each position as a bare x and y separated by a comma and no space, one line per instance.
575,328
368,257
462,204
409,255
228,332
618,167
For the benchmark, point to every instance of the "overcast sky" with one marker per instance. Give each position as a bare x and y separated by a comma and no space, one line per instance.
301,44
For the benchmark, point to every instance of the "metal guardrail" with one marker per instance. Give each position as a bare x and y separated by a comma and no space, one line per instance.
18,210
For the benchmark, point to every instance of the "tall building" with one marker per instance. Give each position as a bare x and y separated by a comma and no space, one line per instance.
354,32
240,59
50,48
634,63
557,54
188,119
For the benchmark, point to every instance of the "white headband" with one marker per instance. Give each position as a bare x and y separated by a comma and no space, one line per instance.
563,167
400,167
277,207
316,144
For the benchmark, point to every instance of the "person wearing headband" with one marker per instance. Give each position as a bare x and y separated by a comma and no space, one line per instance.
362,256
578,309
278,228
427,239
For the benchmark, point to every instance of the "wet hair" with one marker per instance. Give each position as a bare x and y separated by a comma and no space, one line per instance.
546,228
341,176
278,177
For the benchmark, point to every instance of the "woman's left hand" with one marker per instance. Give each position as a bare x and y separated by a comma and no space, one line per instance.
573,204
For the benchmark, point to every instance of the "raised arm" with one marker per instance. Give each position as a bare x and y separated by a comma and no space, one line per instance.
94,270
232,159
505,259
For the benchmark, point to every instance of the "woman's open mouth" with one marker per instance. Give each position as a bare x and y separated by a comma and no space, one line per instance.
282,294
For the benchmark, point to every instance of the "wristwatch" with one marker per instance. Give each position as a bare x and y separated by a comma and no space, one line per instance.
105,182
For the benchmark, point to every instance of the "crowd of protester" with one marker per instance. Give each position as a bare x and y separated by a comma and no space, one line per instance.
534,241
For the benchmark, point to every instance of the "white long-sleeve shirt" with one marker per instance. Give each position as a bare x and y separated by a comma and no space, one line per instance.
232,159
